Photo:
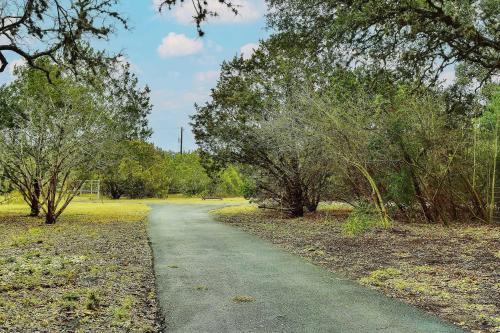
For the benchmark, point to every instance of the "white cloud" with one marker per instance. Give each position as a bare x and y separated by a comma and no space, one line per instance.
208,76
248,11
248,50
178,45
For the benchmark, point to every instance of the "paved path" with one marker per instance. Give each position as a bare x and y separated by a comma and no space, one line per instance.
291,295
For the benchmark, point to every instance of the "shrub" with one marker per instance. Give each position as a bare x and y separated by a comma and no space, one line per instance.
363,219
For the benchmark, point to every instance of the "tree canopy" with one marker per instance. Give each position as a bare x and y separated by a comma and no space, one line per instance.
418,38
55,135
58,29
202,10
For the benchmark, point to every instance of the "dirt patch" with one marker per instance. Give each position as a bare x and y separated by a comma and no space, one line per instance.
452,272
80,275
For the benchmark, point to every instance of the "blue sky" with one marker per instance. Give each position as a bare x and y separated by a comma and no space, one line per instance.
178,66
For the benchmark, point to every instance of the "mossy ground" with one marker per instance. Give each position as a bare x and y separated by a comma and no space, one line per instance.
449,271
90,272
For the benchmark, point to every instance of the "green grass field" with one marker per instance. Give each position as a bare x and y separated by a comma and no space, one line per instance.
112,209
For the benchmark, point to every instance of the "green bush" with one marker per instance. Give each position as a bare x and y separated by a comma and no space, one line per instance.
363,219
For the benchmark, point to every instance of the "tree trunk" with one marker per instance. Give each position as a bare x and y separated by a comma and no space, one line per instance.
115,195
50,218
294,201
418,191
35,199
312,206
297,210
113,189
312,202
50,202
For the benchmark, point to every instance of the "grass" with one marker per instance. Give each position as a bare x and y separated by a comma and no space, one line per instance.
243,299
236,210
108,209
335,207
95,210
358,223
201,287
331,208
90,272
181,199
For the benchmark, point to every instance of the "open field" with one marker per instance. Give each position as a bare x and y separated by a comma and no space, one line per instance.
450,271
90,272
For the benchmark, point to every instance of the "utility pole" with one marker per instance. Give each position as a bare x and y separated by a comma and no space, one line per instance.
182,138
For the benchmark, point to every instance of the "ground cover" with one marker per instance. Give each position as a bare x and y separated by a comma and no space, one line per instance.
90,272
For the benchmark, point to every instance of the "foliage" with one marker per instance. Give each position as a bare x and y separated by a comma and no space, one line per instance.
56,133
412,148
137,169
418,39
361,220
486,147
254,119
303,132
230,182
61,30
188,175
129,103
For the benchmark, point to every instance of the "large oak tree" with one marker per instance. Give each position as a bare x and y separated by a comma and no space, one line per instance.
58,29
420,39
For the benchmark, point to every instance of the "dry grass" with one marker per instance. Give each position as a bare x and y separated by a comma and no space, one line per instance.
243,299
179,199
234,210
90,272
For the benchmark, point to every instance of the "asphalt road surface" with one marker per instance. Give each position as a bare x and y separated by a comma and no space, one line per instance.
202,265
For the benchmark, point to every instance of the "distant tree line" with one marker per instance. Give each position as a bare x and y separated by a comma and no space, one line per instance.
138,169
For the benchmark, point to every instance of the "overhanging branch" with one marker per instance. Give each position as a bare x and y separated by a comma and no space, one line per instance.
3,62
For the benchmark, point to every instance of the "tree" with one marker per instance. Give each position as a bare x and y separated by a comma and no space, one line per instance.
188,175
202,9
253,119
60,30
50,149
419,39
416,151
52,144
484,182
138,170
129,103
230,182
